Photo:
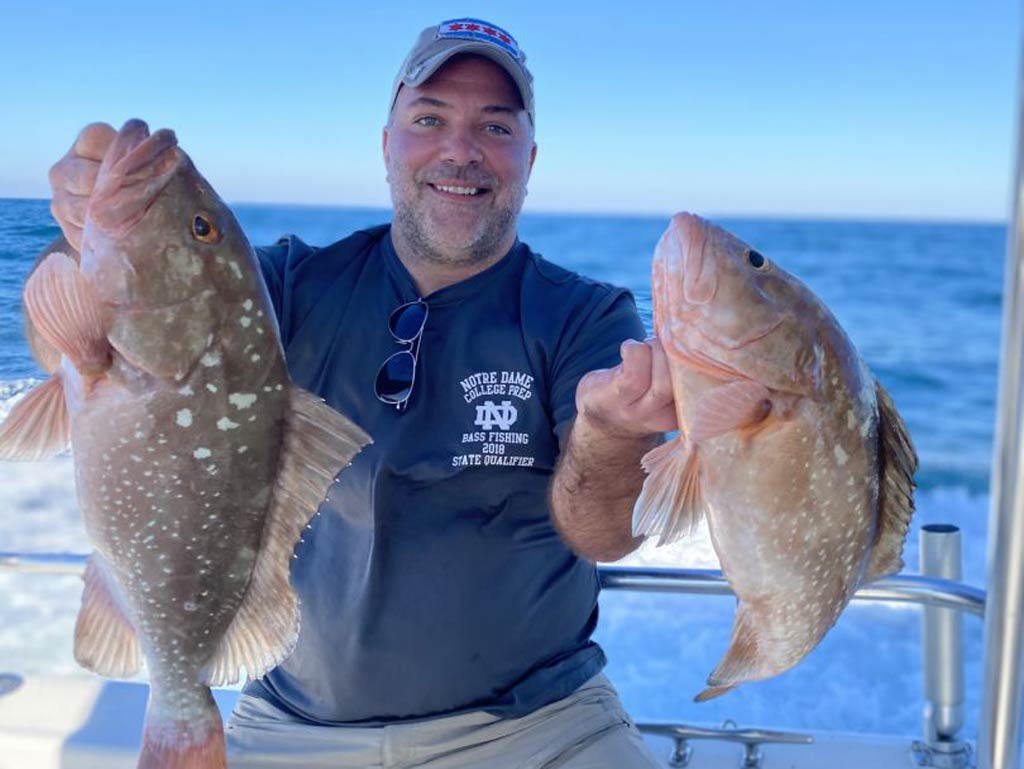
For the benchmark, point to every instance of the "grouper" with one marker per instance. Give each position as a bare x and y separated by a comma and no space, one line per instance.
197,462
788,446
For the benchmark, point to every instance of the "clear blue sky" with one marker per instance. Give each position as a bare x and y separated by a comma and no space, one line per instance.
902,108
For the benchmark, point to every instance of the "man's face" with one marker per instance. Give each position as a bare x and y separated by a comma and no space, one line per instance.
458,151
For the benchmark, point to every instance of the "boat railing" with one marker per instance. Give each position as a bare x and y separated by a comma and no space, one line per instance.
937,589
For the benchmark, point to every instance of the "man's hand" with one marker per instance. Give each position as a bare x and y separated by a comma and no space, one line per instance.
632,400
621,414
73,177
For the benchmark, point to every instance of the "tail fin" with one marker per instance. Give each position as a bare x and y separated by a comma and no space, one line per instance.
198,743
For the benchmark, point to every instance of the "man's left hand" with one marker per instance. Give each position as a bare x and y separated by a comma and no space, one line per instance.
632,400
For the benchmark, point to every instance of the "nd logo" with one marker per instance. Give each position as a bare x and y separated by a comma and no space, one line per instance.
489,415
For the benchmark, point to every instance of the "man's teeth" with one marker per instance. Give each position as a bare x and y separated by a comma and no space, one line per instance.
459,190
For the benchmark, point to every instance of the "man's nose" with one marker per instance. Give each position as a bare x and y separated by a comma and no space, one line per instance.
462,147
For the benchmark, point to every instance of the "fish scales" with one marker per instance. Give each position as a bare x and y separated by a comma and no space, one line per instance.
780,447
191,469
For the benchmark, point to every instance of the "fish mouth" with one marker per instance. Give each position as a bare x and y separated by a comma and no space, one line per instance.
135,170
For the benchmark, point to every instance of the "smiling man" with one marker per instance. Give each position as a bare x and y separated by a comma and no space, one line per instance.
447,585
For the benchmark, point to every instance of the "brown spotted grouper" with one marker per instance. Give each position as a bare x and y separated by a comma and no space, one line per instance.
788,445
197,462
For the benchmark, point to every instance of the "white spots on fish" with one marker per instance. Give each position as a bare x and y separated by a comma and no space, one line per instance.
183,418
841,456
235,268
135,458
255,358
210,359
226,424
211,387
242,400
190,606
259,314
245,321
242,449
201,453
247,305
851,419
187,390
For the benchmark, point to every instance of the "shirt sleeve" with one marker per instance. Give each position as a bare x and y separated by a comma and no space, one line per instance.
590,342
272,260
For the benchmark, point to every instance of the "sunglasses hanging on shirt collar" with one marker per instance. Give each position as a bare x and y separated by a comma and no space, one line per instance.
397,374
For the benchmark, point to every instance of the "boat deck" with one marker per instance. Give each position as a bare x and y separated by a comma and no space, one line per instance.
92,723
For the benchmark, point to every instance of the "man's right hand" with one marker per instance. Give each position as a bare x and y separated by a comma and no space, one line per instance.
73,177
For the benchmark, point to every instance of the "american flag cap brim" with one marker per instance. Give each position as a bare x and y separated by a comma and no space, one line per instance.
433,48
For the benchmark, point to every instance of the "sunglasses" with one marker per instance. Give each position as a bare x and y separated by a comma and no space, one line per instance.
398,373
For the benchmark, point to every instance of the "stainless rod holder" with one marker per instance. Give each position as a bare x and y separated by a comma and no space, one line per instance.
942,650
999,723
942,639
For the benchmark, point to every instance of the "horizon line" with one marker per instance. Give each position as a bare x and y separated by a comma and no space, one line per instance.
653,214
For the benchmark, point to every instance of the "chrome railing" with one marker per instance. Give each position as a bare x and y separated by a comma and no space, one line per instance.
942,658
903,588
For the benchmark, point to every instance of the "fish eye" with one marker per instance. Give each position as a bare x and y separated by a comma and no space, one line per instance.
204,230
757,261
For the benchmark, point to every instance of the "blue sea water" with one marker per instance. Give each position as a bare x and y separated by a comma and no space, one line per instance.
921,301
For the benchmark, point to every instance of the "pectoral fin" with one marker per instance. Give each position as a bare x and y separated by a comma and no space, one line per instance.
64,309
732,406
898,462
319,442
670,503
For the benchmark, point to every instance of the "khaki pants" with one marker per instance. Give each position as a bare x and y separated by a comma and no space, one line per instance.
587,730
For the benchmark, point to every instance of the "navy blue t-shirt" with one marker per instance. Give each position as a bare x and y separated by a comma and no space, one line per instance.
433,581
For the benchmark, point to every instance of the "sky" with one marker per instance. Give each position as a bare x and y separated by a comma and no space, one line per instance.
816,108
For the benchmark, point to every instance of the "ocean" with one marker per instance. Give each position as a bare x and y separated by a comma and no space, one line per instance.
920,300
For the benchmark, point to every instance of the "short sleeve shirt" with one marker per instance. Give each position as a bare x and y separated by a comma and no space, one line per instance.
432,580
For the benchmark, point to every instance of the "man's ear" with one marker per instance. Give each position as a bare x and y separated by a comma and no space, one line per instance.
384,144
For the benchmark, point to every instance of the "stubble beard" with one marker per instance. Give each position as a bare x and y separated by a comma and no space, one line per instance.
420,236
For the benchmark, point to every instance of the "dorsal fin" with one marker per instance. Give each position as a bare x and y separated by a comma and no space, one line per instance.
318,443
898,463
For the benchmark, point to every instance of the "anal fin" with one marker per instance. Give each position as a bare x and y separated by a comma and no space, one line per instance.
105,638
670,503
38,426
318,443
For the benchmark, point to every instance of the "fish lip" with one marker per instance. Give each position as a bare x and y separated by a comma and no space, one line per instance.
140,164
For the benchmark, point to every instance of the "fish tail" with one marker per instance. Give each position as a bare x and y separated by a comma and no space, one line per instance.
173,742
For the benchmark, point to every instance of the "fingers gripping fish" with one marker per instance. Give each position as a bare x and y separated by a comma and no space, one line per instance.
789,447
197,462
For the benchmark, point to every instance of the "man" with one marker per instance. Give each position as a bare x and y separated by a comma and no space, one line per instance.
448,589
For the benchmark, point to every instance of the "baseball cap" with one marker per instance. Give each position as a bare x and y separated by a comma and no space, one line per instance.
437,44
